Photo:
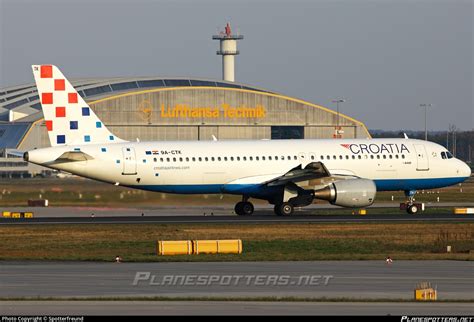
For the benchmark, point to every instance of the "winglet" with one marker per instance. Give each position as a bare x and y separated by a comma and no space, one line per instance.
405,135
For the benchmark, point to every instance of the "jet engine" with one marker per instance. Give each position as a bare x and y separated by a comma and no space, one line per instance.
351,193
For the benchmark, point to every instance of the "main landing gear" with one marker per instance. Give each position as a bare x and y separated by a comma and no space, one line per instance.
284,209
244,207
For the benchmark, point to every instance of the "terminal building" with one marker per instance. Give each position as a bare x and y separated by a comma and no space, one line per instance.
170,108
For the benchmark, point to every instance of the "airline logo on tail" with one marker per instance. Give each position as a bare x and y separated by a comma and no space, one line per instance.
69,119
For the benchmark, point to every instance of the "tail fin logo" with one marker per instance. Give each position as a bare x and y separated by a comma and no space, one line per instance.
69,119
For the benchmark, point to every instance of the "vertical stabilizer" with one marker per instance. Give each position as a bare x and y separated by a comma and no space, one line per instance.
69,119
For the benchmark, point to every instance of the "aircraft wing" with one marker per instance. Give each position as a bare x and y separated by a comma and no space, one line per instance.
314,170
313,174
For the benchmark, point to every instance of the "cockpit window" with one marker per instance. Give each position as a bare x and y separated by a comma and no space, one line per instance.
446,155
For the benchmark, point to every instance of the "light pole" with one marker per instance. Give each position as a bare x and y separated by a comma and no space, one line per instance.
426,131
337,101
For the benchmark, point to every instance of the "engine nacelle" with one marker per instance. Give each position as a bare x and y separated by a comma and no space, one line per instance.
351,193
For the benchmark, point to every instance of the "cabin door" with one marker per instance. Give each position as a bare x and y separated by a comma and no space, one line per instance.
129,161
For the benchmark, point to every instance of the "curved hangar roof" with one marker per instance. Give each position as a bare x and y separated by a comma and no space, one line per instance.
21,103
24,99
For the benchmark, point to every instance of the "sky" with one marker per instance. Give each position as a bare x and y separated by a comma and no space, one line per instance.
385,57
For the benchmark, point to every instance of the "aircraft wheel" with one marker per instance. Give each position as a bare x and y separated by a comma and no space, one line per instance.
412,209
244,208
284,209
276,209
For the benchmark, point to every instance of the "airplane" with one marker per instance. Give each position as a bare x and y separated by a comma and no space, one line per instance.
286,173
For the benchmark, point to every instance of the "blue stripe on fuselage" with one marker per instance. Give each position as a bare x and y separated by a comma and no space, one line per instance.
258,189
416,184
208,188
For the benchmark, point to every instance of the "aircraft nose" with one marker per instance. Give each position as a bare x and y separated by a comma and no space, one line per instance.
466,170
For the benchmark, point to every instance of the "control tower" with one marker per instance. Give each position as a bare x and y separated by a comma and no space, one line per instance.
228,49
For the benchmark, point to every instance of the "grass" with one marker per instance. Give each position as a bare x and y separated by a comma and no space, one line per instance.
263,242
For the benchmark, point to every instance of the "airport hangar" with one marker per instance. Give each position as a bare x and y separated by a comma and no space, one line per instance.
170,109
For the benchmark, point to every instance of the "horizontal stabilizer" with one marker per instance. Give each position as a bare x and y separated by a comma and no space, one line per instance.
73,156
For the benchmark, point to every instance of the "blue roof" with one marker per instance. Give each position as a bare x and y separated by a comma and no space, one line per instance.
11,134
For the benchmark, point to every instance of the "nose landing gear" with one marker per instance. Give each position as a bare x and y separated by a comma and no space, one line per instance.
411,207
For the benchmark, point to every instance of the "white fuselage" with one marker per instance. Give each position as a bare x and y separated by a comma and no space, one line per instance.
237,166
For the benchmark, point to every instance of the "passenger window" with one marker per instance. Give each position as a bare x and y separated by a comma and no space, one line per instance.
334,157
340,157
353,157
238,158
231,158
251,158
187,159
378,156
174,159
213,159
359,156
403,156
263,158
396,156
225,158
218,158
167,159
384,156
180,159
245,158
390,156
289,157
194,159
154,160
161,159
256,158
270,157
200,159
347,157
371,156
